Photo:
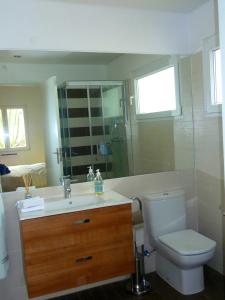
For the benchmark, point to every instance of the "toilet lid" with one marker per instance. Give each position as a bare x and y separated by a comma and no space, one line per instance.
187,242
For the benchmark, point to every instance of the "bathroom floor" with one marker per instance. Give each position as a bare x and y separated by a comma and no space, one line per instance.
214,290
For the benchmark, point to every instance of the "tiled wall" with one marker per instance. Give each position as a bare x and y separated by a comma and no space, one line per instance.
153,146
183,124
208,164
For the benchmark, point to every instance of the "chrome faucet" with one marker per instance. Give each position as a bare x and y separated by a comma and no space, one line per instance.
66,181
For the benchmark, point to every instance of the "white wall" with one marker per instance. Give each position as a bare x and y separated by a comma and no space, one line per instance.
201,24
65,25
133,65
221,5
11,73
208,164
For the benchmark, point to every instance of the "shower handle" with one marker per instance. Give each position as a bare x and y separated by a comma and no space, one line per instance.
58,155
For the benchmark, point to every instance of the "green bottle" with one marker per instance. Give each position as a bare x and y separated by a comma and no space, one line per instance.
98,183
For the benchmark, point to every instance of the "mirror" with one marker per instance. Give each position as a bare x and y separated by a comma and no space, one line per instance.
98,112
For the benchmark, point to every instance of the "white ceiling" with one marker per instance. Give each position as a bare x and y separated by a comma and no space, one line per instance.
178,6
50,57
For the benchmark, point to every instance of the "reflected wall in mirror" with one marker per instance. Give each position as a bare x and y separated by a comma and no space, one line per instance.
98,120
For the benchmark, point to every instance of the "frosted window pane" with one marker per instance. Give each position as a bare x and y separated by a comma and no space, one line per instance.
156,92
218,76
16,125
2,142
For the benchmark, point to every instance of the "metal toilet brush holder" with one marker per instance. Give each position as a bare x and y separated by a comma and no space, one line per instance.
139,285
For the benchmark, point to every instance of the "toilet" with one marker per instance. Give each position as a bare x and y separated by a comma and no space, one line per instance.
180,252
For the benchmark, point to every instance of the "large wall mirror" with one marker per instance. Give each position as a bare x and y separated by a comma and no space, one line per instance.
125,114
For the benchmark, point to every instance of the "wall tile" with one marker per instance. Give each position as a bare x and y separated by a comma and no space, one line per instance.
208,164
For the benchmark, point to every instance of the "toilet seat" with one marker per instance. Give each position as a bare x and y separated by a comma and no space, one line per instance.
187,242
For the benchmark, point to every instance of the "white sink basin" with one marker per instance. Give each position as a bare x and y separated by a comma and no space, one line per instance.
78,201
58,205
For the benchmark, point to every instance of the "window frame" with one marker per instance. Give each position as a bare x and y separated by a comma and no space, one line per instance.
163,114
210,45
7,148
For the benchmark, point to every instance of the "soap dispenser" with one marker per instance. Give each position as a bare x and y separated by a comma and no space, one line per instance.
90,175
98,183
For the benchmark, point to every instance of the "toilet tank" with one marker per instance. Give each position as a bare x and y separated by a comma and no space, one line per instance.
164,213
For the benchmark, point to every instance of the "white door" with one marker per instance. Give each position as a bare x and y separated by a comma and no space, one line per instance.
53,145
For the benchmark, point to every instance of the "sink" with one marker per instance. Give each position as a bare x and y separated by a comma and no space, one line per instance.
59,205
78,201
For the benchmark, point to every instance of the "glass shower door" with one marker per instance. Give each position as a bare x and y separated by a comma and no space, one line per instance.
93,129
115,118
100,133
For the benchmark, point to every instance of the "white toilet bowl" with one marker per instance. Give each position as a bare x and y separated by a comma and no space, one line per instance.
186,248
180,257
180,252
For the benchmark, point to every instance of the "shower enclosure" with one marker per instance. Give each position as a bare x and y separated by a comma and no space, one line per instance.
94,122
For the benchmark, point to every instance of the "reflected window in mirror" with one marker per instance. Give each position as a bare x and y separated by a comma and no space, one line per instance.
13,129
157,94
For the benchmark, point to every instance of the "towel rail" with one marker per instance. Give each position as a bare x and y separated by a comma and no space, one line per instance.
138,200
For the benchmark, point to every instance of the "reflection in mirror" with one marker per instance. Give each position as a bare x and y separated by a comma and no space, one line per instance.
94,115
93,128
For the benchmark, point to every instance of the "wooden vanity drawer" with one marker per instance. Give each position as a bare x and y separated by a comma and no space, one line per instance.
72,249
66,270
78,229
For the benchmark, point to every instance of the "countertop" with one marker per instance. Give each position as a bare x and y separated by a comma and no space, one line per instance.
56,206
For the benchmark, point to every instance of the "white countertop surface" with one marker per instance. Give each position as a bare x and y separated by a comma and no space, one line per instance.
77,202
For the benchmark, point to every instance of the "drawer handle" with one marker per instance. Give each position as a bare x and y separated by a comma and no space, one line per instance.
83,259
82,221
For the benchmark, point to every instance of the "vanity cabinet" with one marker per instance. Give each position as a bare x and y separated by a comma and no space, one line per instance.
72,249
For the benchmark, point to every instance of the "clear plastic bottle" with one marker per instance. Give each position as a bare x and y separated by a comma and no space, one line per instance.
90,175
98,183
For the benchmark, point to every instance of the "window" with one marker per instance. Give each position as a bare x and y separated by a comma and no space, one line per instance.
217,77
212,75
157,94
12,128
